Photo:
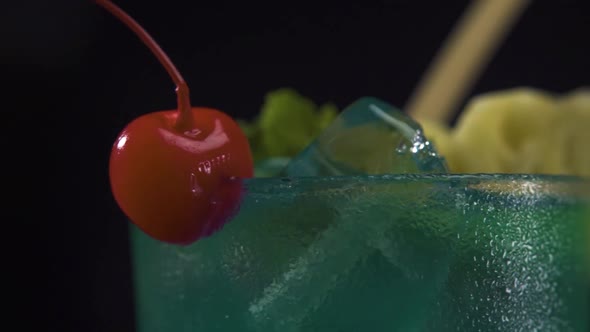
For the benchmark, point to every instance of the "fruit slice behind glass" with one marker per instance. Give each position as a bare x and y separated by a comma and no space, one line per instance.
573,133
523,130
496,129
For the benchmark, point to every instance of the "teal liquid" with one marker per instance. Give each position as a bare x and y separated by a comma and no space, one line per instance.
379,253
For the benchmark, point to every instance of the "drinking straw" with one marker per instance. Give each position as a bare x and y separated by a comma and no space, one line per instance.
463,57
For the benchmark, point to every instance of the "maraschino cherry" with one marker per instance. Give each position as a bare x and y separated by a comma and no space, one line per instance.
173,173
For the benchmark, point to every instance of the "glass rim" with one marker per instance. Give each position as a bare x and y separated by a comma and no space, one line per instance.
430,177
508,182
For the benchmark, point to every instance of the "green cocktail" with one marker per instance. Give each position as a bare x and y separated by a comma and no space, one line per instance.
308,251
379,253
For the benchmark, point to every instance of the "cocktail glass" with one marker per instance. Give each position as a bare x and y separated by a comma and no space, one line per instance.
311,251
379,253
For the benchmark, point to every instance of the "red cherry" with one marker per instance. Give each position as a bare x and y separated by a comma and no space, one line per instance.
165,180
176,173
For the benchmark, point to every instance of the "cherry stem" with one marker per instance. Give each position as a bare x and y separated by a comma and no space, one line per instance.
185,116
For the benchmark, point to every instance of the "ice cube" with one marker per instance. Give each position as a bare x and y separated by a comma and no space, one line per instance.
369,137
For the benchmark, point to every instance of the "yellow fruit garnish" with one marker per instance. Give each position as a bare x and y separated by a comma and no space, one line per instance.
519,130
574,132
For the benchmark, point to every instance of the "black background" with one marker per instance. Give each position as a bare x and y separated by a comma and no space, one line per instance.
74,76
